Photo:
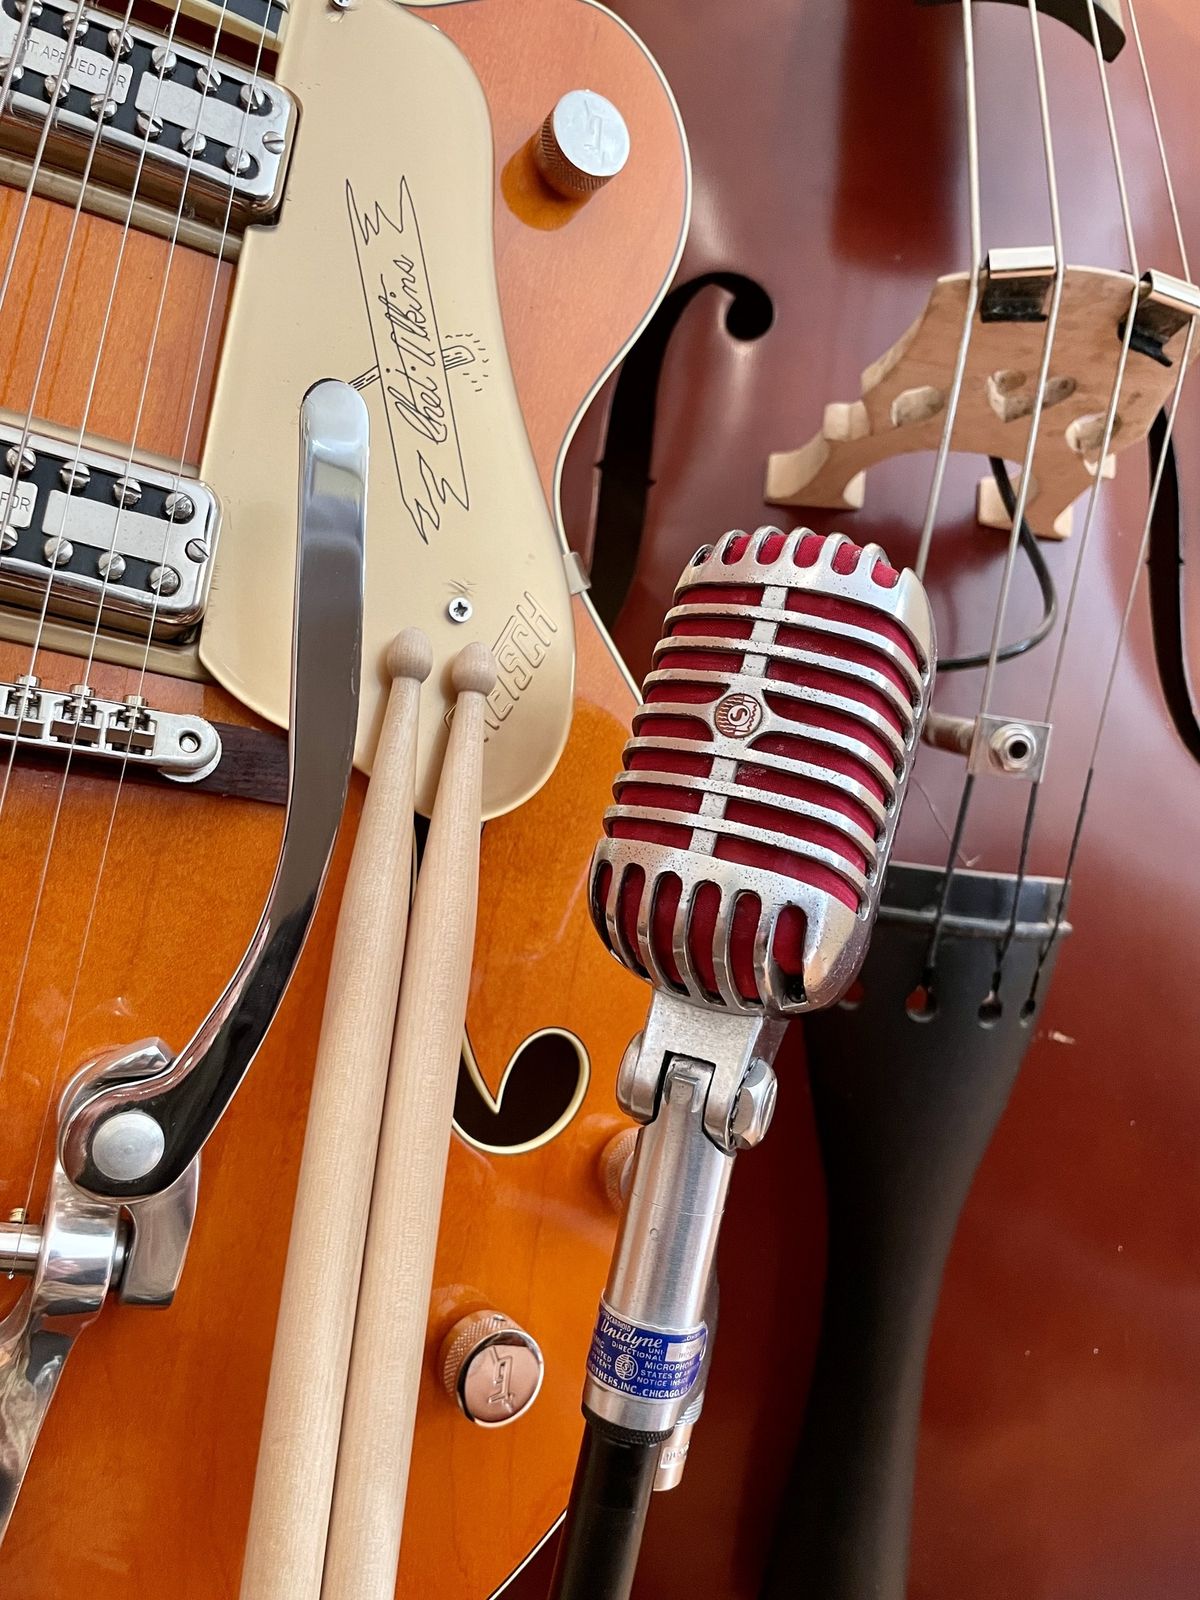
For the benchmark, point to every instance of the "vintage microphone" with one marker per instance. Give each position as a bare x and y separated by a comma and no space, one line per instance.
739,874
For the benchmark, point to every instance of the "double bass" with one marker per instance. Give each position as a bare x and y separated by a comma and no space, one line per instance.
954,1352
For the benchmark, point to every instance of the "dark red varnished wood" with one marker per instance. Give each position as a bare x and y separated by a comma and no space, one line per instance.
1061,1431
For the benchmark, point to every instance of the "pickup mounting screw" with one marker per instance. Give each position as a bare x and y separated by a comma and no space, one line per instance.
196,550
164,580
273,142
460,609
179,507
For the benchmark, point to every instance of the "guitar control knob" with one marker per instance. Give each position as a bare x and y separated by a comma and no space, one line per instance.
616,1166
492,1368
582,144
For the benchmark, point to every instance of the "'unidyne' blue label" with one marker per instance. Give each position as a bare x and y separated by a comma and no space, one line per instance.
644,1362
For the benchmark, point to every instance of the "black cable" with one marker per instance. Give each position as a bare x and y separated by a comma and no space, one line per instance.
1168,602
1041,572
602,1535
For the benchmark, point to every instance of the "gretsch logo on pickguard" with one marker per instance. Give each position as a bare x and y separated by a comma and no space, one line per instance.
411,363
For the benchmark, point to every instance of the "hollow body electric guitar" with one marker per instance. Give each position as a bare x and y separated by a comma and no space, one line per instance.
208,207
970,245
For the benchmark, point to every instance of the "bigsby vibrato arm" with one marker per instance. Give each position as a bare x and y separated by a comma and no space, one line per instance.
123,1191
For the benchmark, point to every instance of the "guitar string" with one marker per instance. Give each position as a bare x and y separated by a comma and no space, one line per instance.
967,792
11,67
968,327
1144,541
52,318
178,476
118,787
15,62
17,451
78,454
60,798
992,1003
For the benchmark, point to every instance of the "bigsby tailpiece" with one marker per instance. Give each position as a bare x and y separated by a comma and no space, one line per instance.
131,1125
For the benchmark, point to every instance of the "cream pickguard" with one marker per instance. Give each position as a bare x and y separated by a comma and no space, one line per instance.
381,271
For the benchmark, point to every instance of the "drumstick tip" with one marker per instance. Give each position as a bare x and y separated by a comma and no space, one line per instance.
474,670
409,655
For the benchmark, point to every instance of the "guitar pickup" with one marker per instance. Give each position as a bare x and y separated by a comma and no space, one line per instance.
207,136
98,531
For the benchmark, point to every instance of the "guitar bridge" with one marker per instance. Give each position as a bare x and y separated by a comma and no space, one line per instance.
45,722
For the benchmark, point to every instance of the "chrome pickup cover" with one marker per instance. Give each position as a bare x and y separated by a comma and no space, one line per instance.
76,515
212,128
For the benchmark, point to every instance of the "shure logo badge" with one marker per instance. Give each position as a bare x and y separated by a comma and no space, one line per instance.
737,716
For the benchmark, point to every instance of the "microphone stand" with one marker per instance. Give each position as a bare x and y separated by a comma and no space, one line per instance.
701,1082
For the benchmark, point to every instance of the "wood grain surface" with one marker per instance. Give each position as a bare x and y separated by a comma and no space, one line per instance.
142,1479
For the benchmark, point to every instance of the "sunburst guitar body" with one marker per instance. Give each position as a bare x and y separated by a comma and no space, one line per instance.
166,304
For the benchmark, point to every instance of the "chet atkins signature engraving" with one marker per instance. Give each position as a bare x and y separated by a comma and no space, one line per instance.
411,363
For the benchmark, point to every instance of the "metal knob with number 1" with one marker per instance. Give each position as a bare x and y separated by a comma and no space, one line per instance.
492,1368
582,144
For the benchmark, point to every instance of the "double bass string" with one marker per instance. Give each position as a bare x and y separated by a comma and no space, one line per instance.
971,107
1148,521
1018,515
971,110
1005,943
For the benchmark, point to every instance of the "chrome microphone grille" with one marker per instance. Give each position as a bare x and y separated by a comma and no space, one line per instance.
759,797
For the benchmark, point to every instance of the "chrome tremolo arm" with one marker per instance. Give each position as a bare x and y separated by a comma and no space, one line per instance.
123,1189
134,1139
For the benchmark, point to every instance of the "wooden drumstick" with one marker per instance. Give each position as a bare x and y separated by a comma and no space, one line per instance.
393,1303
297,1455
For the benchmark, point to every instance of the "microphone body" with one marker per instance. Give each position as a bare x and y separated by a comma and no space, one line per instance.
739,873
